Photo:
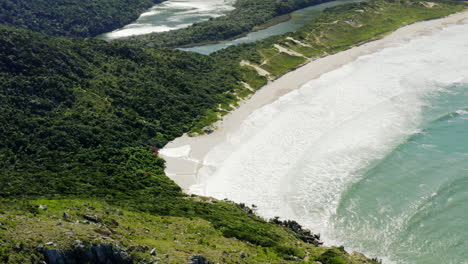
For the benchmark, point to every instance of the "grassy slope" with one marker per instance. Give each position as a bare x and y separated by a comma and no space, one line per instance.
24,227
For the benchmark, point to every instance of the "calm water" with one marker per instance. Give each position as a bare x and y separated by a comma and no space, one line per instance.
298,19
373,155
172,14
176,14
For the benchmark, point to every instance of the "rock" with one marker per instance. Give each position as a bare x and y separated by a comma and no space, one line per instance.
92,218
114,223
65,216
53,256
243,254
103,232
49,243
197,259
43,207
18,247
153,252
102,254
208,130
138,248
78,244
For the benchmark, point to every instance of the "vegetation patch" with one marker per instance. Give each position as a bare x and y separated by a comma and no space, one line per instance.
30,229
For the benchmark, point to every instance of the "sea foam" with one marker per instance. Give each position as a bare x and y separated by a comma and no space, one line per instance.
171,15
295,157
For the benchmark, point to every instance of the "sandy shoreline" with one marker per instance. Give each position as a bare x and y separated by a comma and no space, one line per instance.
185,155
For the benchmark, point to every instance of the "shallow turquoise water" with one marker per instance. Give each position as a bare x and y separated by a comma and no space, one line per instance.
298,19
415,200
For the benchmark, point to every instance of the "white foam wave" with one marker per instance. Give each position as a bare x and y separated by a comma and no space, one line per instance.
140,29
180,152
150,13
294,157
171,15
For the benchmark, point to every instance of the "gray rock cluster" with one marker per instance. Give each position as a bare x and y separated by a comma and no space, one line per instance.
102,254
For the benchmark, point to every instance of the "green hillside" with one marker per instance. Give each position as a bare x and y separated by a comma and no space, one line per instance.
82,120
72,18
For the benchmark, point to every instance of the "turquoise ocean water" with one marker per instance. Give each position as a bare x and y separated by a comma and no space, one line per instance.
372,155
415,200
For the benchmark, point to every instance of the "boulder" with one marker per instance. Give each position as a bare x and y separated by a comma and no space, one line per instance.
197,259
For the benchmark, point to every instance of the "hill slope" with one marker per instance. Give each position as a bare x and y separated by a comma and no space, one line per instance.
68,107
73,18
81,120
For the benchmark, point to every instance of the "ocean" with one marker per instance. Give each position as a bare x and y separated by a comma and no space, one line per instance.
372,155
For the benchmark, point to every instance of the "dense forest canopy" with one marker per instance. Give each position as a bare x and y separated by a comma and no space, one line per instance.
70,106
73,18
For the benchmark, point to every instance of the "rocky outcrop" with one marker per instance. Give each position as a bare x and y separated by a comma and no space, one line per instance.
102,254
197,259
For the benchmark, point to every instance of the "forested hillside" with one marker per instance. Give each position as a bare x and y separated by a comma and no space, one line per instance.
247,15
73,18
69,107
82,120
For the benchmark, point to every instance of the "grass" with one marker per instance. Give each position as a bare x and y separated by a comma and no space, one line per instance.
272,22
281,63
254,80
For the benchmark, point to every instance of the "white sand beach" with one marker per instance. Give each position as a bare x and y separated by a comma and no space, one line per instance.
185,155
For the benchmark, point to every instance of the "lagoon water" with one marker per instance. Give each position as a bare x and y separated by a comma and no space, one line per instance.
176,14
373,155
298,19
172,14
